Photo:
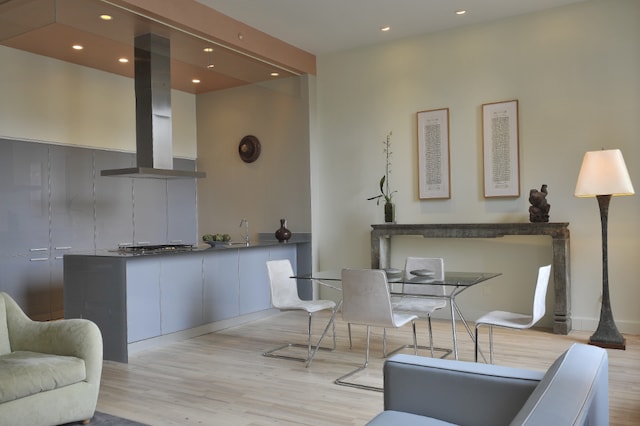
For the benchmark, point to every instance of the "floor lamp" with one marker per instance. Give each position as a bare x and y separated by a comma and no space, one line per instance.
604,174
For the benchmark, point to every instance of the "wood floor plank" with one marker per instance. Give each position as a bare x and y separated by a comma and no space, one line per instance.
222,379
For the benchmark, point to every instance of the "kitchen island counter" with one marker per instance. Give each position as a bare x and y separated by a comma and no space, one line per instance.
141,301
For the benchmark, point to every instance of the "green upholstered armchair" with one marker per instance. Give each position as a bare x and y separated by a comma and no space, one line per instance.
49,371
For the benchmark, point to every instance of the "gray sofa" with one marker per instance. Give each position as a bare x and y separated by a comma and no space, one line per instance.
427,391
49,371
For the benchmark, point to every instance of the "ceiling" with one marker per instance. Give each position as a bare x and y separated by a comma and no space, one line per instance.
286,33
326,26
51,27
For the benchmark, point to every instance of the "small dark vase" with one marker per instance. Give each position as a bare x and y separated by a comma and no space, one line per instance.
283,234
389,212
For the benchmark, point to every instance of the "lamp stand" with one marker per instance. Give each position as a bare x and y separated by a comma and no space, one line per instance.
607,334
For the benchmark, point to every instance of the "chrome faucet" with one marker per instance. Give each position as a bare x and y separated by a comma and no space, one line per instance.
245,222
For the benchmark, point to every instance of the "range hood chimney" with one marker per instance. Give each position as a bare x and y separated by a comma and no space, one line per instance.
152,77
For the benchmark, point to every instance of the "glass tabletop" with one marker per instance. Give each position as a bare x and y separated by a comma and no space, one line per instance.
451,278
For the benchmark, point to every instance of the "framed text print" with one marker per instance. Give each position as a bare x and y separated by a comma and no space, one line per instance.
433,154
500,149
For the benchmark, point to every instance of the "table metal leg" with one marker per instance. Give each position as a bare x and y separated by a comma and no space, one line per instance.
324,332
455,307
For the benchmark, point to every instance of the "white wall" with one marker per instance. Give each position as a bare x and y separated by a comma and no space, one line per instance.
576,74
43,99
277,184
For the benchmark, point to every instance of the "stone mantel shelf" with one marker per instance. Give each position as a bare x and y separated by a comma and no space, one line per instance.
558,231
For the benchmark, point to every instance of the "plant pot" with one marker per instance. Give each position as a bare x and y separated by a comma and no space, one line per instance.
389,212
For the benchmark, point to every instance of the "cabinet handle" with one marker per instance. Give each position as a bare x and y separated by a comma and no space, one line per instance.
38,259
144,242
63,248
59,257
40,249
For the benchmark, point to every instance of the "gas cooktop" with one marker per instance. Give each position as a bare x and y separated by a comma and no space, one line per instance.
155,248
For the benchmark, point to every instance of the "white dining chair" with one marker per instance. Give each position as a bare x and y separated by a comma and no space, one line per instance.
366,301
422,300
284,296
516,320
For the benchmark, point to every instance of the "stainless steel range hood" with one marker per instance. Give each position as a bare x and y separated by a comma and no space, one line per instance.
154,147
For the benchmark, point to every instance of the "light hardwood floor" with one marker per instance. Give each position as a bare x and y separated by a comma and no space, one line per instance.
222,379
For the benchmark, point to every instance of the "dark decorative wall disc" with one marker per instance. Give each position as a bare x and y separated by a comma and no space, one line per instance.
249,149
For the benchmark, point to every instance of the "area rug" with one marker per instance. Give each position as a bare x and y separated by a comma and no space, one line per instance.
104,419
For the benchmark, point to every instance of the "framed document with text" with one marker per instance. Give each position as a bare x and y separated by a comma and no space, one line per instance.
500,149
433,154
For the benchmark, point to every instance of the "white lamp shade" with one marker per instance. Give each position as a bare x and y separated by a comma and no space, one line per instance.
603,173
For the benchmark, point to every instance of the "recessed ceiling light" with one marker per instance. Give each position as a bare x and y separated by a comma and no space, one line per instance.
106,17
123,60
208,49
195,80
77,47
210,66
461,12
274,74
385,29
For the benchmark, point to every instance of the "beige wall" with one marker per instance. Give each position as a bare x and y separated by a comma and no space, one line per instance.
576,74
47,100
273,187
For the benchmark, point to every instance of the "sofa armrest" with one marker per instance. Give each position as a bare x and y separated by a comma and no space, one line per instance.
70,337
456,391
574,391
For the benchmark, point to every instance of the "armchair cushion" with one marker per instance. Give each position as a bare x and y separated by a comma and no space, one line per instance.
24,373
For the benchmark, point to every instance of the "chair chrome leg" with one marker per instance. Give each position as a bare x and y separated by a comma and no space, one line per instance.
384,342
476,344
431,348
341,380
311,350
349,329
415,338
430,336
490,344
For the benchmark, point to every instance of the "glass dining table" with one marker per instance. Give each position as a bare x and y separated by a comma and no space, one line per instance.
455,282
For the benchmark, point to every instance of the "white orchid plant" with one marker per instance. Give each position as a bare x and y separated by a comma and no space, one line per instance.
385,191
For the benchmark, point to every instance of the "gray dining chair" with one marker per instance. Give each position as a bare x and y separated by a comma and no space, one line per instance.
366,300
284,296
422,300
516,320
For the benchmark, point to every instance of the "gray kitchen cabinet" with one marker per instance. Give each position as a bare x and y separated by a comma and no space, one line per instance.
149,211
182,217
221,288
53,201
71,206
24,226
113,201
255,294
143,298
181,290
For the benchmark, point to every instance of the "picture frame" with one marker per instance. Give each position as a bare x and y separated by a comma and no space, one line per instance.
434,173
500,149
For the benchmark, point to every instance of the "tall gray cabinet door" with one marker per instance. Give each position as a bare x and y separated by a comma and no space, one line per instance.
24,225
113,201
182,212
71,182
150,211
